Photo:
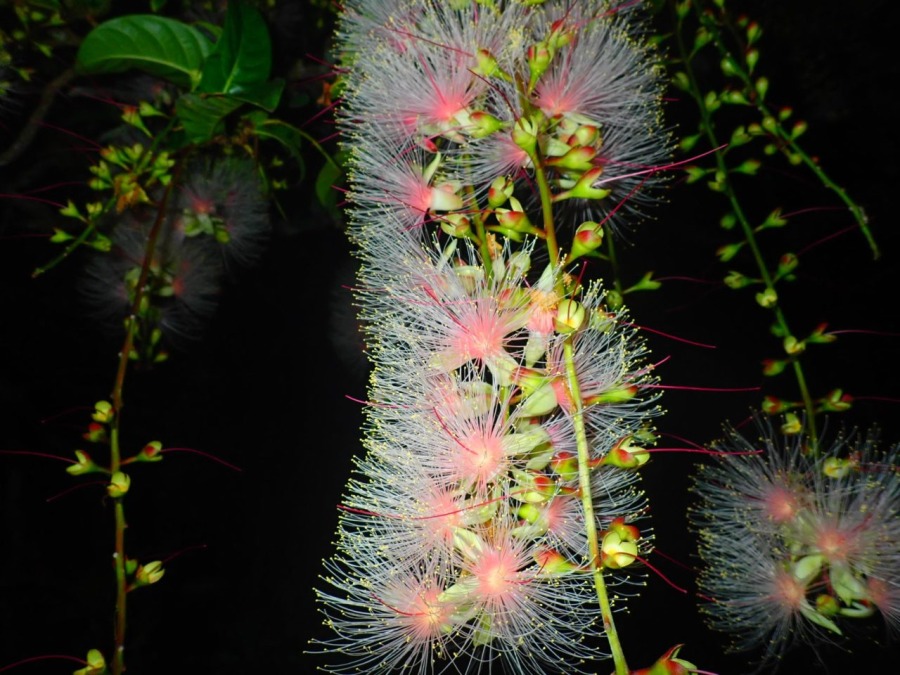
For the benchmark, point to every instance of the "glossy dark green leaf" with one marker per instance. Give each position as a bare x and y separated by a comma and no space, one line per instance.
265,95
242,56
287,135
203,116
154,44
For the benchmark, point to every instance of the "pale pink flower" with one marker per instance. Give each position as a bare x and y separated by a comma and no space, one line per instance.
797,546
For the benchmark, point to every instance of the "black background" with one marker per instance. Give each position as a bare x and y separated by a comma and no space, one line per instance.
266,388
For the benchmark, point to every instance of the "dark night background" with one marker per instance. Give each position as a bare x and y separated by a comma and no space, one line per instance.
265,387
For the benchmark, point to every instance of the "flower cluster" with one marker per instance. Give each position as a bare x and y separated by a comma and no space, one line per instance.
508,405
216,220
797,544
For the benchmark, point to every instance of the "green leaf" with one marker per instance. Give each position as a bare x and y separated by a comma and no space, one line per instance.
203,116
242,56
265,95
154,44
282,132
328,177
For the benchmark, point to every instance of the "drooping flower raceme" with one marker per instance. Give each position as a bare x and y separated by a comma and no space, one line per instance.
507,401
797,545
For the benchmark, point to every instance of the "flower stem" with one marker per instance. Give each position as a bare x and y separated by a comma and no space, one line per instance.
777,129
746,228
546,207
131,327
587,504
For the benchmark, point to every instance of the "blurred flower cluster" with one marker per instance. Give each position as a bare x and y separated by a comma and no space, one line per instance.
796,544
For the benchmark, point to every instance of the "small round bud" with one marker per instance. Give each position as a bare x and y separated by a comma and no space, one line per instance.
500,191
148,574
118,484
96,664
570,316
84,465
767,298
103,412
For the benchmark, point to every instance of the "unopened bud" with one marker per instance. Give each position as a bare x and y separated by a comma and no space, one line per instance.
524,134
148,574
103,412
152,452
96,664
456,225
584,188
539,58
575,159
588,238
488,66
483,124
553,563
118,484
500,191
541,401
767,298
84,464
625,455
565,465
570,316
617,551
587,134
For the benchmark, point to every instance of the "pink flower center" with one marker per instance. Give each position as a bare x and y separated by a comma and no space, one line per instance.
789,592
781,505
480,338
497,573
481,458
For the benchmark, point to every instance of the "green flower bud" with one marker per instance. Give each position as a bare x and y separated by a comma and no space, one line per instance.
84,465
524,134
553,563
576,159
767,298
584,188
588,238
793,346
456,225
103,412
118,484
500,191
570,316
539,58
96,664
541,402
736,280
616,552
152,452
148,574
482,124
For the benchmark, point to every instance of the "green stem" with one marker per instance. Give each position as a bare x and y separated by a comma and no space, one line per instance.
546,207
584,469
777,129
722,176
587,504
118,664
484,247
131,325
614,264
